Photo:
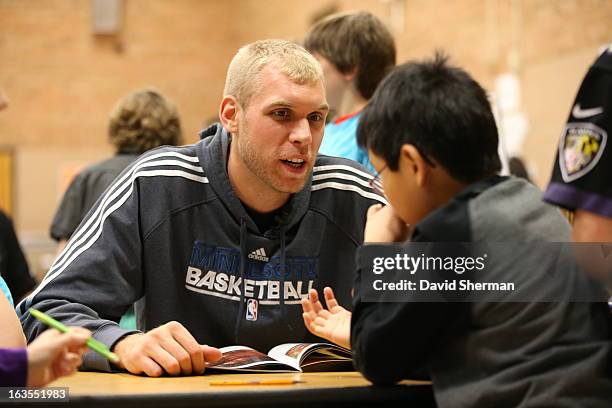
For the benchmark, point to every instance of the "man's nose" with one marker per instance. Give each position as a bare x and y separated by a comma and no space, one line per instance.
301,133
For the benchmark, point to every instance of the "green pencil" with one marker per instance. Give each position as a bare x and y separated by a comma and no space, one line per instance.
92,343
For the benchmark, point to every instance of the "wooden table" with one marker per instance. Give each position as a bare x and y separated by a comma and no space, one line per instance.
347,389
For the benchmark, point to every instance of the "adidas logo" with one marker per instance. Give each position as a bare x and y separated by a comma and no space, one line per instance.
259,254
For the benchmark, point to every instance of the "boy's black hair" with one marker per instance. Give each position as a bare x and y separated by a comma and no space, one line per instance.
440,110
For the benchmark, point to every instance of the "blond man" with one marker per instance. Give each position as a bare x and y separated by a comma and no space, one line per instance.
248,215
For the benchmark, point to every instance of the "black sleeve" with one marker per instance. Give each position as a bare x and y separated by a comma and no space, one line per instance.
13,265
394,341
70,211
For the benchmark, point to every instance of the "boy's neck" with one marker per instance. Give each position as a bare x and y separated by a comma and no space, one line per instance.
351,102
445,188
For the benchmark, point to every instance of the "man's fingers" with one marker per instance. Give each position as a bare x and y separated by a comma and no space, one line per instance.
193,348
180,355
148,366
165,359
211,354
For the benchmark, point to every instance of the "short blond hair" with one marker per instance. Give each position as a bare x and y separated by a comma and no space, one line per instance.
143,120
291,59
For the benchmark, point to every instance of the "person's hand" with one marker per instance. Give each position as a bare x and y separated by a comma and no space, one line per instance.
333,323
383,225
53,355
168,348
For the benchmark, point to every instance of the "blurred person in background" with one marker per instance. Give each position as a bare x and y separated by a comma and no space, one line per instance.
581,179
356,51
13,265
139,122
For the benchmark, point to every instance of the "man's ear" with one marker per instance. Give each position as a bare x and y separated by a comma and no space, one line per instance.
228,113
411,157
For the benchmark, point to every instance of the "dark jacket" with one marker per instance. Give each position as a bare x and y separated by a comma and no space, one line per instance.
171,230
493,354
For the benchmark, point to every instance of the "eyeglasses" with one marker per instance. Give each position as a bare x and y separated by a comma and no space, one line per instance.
376,182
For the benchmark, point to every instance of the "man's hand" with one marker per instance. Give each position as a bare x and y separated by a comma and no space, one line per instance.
170,348
53,355
333,323
383,225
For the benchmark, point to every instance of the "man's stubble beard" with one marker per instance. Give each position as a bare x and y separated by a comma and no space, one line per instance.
256,164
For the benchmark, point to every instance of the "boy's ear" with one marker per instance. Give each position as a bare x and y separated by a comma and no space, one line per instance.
228,113
411,157
350,75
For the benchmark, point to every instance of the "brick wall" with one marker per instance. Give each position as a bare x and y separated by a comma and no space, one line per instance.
62,80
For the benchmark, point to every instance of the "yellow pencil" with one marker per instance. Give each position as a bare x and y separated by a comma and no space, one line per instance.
257,382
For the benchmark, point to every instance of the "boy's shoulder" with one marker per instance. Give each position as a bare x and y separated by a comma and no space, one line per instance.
499,209
514,210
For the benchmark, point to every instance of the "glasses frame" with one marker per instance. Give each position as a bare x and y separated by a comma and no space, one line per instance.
376,182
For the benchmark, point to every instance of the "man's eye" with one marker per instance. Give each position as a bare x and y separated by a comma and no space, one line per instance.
315,117
281,114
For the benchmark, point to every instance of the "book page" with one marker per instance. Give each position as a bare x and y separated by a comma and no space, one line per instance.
327,357
324,355
243,358
290,353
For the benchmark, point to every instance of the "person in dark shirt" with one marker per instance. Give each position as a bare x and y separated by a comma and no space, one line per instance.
580,179
140,121
13,265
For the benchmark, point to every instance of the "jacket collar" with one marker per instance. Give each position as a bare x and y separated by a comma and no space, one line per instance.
213,152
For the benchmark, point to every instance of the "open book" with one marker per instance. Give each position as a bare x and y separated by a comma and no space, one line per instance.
289,357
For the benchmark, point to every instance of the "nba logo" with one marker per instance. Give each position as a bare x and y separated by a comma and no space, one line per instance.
251,310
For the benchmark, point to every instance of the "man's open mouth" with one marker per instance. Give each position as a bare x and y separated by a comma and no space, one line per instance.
295,163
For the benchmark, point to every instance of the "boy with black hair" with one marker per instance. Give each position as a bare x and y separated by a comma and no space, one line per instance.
432,138
356,51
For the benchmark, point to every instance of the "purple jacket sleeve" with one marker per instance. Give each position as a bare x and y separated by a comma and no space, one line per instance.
13,367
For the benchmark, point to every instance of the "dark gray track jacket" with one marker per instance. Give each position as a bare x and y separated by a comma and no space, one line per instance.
171,234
